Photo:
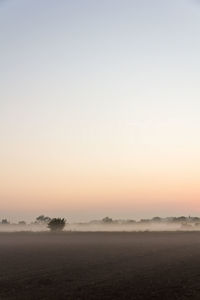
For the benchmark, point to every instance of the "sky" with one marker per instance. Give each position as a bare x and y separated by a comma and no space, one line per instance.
99,108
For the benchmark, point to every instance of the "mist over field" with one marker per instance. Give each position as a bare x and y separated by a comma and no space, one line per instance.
109,225
92,227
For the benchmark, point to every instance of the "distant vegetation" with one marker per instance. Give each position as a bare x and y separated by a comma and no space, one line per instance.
42,220
107,220
184,221
5,222
56,224
22,223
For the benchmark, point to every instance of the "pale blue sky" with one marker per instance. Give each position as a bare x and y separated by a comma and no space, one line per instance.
97,85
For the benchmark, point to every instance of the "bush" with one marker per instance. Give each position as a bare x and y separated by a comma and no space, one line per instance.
107,220
5,222
42,220
21,223
56,224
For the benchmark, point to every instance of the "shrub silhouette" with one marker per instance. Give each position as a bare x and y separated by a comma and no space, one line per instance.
57,224
107,220
42,220
5,222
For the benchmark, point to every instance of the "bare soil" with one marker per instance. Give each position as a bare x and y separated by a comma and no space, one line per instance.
101,265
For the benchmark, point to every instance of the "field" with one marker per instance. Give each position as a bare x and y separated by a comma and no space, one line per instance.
89,265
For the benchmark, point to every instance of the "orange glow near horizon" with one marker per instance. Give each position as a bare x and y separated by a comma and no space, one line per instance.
37,188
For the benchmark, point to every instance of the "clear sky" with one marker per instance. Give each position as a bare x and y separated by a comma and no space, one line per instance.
99,108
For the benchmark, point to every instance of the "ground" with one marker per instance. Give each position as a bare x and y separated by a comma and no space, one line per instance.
100,266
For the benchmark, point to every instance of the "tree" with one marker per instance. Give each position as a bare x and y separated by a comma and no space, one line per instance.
156,219
107,220
5,222
43,220
56,224
21,223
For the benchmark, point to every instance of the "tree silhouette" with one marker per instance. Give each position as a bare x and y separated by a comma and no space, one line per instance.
57,224
107,220
4,221
43,220
21,223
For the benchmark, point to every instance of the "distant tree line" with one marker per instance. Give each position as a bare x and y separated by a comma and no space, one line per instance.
54,224
58,224
181,219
